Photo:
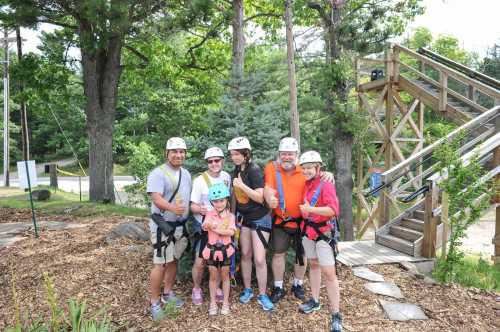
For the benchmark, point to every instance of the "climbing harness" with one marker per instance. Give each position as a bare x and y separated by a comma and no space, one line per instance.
316,226
299,250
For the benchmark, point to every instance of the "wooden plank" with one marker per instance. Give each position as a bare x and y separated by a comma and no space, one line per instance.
372,86
443,90
466,101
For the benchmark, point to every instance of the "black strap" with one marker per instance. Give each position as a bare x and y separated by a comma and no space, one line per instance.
223,248
297,234
259,231
332,241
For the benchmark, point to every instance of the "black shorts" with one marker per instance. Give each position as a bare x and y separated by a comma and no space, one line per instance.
218,264
281,239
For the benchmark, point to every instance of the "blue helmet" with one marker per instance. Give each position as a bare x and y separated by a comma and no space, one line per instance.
218,191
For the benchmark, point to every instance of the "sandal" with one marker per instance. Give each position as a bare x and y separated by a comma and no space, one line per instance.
213,311
225,310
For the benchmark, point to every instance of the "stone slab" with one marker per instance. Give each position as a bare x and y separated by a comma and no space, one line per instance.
365,273
402,311
385,288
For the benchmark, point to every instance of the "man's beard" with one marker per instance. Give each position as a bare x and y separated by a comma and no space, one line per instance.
287,165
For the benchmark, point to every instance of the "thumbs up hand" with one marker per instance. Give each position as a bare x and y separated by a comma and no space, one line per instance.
305,209
238,182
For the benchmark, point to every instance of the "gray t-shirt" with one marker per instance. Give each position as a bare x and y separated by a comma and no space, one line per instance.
163,179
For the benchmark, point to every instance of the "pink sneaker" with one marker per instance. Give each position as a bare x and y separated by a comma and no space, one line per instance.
219,296
197,296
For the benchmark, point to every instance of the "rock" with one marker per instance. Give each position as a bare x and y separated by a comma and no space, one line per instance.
131,230
366,273
430,281
385,288
402,311
40,195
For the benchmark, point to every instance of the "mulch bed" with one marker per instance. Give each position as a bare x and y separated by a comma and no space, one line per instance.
84,266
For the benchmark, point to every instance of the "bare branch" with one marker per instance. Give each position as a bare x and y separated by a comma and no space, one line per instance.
274,15
145,59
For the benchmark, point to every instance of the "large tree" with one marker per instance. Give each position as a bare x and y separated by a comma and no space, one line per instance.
350,28
103,29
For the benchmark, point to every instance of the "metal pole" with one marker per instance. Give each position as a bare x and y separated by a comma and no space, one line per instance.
31,198
6,111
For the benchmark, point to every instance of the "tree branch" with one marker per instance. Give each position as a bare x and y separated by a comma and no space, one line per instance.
274,15
145,59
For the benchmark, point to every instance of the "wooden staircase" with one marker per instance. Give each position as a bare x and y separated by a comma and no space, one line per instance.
411,230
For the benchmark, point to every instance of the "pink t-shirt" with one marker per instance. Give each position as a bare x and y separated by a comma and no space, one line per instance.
223,223
327,197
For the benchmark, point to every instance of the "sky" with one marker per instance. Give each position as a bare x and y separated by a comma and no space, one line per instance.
475,23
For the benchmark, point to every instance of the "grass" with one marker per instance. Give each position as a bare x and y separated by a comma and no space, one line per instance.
61,202
475,271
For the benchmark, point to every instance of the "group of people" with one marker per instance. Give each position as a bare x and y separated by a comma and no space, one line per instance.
292,203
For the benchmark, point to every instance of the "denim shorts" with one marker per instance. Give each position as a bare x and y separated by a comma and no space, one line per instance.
265,222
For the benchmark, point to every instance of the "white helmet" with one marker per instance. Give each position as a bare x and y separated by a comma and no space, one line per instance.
214,152
174,143
239,143
310,157
288,144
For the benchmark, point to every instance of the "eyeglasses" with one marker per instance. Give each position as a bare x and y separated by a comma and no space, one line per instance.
214,161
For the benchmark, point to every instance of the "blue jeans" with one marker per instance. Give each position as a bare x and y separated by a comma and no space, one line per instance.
265,222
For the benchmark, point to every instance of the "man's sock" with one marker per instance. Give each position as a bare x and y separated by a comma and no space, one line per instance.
278,284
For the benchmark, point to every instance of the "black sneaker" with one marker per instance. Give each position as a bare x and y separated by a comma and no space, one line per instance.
309,306
277,294
336,322
298,291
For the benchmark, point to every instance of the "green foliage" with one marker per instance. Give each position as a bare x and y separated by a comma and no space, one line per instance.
422,37
464,188
491,63
75,321
141,161
471,272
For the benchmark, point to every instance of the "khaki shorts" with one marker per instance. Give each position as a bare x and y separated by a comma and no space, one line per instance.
319,250
173,252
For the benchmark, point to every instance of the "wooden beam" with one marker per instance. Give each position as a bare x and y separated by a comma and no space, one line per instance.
443,90
444,221
430,222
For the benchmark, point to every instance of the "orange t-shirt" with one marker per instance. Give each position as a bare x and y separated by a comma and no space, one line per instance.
293,189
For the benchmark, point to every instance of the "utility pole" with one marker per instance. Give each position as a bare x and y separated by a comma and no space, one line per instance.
6,40
24,116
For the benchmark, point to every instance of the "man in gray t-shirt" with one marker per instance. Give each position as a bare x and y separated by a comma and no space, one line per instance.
161,186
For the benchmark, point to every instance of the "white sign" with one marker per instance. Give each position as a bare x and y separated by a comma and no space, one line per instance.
23,179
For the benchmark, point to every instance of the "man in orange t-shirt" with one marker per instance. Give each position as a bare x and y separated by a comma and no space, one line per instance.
283,191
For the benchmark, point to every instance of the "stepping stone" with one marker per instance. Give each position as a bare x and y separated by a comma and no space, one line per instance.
402,311
365,273
385,288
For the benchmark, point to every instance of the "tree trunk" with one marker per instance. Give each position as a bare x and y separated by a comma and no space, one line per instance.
292,84
238,41
342,148
23,114
101,73
342,141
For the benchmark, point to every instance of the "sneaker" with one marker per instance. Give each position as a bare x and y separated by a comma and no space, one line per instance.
219,296
265,302
309,306
298,291
225,310
336,322
197,296
246,295
277,294
168,298
157,311
213,311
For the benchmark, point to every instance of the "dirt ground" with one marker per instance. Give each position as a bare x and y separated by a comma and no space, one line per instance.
84,266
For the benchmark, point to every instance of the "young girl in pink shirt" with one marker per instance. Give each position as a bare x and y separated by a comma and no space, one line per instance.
220,225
